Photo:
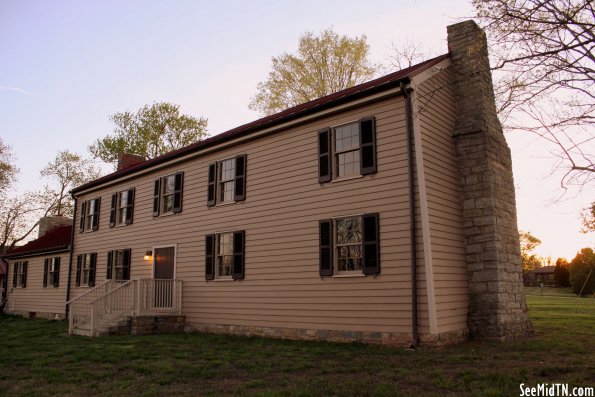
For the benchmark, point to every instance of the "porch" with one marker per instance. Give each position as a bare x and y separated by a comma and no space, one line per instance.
127,307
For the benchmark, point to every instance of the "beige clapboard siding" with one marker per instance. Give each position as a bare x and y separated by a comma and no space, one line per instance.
34,297
444,205
280,215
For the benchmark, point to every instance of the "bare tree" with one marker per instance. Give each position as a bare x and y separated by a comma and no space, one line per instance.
407,54
67,171
545,79
19,216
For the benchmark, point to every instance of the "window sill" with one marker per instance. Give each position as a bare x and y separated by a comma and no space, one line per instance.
347,178
219,280
225,203
347,275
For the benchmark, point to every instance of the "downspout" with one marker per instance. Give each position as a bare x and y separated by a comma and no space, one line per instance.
412,217
70,260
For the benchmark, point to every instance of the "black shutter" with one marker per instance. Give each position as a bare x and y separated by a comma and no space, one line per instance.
126,264
83,212
178,188
237,272
367,139
240,182
371,244
210,256
110,265
325,169
57,272
95,225
112,212
130,206
46,266
15,275
79,263
24,280
92,267
212,185
156,196
326,247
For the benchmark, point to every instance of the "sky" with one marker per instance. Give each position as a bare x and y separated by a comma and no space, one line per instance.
66,66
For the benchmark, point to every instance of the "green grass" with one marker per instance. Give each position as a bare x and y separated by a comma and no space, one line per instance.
39,359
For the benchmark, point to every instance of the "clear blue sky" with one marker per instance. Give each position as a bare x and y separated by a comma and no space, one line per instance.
66,66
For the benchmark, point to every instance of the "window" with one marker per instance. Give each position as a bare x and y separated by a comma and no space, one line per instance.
347,150
51,272
122,208
167,196
19,278
225,255
118,265
227,181
90,215
349,245
85,269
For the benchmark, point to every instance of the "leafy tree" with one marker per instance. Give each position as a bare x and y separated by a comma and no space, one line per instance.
588,219
561,274
8,171
543,52
152,131
324,64
582,272
67,171
528,243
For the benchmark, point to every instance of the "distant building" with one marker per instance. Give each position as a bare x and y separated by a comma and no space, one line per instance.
545,275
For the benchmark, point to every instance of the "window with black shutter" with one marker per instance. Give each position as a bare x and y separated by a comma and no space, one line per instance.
122,208
167,195
118,265
86,266
225,255
110,265
347,151
15,275
112,212
227,181
20,274
350,245
55,272
90,215
79,269
92,268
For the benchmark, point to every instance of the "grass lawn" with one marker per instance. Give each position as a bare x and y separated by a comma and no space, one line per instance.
39,359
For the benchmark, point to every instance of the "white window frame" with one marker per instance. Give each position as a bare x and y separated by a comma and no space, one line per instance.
336,246
85,269
164,194
89,215
221,183
20,273
354,149
52,273
219,255
122,208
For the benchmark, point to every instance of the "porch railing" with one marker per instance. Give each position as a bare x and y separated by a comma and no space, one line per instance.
116,298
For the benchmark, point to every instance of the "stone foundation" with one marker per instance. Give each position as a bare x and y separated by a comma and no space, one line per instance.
162,324
380,338
31,315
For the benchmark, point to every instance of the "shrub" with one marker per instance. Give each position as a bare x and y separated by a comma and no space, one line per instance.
582,272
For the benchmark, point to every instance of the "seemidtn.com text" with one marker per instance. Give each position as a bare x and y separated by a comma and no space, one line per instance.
555,390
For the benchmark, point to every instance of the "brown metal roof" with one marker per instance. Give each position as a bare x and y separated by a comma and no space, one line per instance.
56,239
361,90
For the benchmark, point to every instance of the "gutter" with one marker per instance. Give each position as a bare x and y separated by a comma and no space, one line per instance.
38,252
412,215
70,260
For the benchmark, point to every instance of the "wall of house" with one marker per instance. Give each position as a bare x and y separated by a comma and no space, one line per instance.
436,112
35,300
282,289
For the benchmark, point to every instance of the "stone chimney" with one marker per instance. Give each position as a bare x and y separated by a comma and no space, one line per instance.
127,160
51,222
497,301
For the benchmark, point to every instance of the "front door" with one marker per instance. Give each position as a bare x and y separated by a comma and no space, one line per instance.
164,260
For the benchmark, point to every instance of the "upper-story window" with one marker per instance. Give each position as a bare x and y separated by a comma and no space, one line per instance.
19,278
227,181
224,255
347,150
167,195
350,245
122,208
85,269
90,215
51,272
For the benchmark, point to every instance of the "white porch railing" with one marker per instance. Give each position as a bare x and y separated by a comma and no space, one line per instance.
134,297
